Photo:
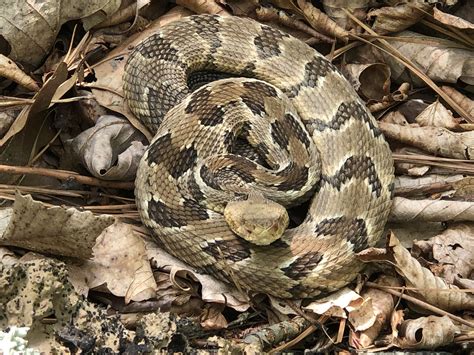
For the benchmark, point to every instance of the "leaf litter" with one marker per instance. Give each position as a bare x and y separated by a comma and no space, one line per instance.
80,272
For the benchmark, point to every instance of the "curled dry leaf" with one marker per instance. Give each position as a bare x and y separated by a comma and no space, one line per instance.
406,210
9,70
363,316
441,60
120,262
382,306
212,290
240,7
336,303
320,21
73,233
453,252
421,281
110,150
391,19
31,27
372,81
453,21
466,103
334,9
212,317
436,140
426,333
396,319
203,7
438,115
294,26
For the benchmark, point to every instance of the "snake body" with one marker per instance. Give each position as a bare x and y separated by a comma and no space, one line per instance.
310,134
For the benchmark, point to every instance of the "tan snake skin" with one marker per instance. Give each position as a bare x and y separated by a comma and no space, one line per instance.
311,136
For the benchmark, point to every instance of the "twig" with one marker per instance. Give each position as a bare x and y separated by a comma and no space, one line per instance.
66,176
421,304
276,333
308,331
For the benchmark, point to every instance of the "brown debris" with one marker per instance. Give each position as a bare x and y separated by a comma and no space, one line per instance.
71,145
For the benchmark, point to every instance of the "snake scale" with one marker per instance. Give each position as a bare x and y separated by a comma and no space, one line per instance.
281,121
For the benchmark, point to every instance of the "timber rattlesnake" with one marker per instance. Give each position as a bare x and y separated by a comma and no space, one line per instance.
311,135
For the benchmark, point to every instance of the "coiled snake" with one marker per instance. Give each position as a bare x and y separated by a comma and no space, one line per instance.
291,127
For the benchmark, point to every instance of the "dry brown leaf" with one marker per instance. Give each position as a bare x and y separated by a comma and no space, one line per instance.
110,150
212,317
320,21
421,281
363,316
383,305
391,19
203,7
121,264
372,81
336,303
31,27
465,10
453,252
406,210
426,333
395,117
408,232
42,100
410,168
212,290
241,7
9,70
441,60
436,140
292,25
438,115
466,103
396,319
425,186
287,5
464,189
453,21
73,233
333,8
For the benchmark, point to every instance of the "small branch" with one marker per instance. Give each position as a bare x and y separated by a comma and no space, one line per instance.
422,304
65,175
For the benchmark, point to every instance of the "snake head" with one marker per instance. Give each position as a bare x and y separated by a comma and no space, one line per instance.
257,220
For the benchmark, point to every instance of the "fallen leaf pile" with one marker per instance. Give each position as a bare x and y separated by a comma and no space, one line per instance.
79,273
